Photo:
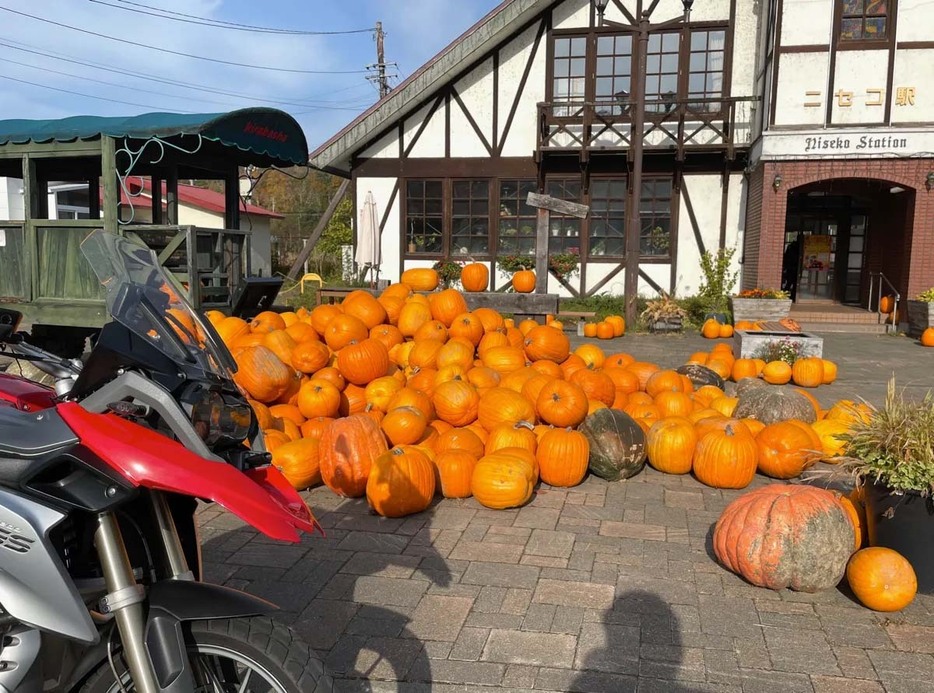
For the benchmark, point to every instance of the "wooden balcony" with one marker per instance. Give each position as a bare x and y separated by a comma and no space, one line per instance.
675,125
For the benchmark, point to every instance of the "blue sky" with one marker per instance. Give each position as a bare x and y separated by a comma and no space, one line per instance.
39,53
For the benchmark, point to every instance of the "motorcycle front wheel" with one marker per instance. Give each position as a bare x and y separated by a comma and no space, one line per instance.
241,654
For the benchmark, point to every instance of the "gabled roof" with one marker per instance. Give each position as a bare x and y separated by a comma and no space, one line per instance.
334,156
267,135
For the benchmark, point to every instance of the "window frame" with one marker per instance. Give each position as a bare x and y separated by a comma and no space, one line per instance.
583,228
673,200
891,27
500,217
608,257
404,185
447,218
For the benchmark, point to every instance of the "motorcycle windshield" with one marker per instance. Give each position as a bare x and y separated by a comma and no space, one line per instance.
142,297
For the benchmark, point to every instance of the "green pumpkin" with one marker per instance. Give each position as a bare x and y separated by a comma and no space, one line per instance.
617,444
772,404
701,375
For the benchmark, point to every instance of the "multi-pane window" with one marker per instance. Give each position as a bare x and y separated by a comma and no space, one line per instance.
564,231
570,70
424,216
705,75
655,217
517,221
613,76
661,71
607,216
470,217
864,20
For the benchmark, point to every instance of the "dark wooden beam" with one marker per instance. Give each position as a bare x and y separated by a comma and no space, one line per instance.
694,226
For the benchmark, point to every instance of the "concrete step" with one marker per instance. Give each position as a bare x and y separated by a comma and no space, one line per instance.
849,327
859,318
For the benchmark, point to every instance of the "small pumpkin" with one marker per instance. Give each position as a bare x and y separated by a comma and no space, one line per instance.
562,456
298,462
475,277
467,327
523,281
592,354
455,471
927,337
318,397
401,482
420,279
619,324
830,372
590,329
617,444
670,445
674,404
456,402
784,450
808,372
710,329
882,579
726,331
310,356
604,330
502,481
777,373
785,536
887,304
726,458
562,403
348,448
404,425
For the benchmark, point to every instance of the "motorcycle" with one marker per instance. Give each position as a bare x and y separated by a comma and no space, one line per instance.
100,564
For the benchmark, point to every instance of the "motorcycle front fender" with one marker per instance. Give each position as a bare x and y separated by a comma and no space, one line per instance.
174,602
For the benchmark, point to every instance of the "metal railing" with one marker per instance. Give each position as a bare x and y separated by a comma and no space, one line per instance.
883,280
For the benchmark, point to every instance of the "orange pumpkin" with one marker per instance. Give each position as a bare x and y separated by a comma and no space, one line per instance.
519,435
502,481
882,579
726,331
475,277
393,307
505,359
412,317
267,321
343,330
501,405
231,329
523,281
483,378
744,368
298,462
547,343
347,451
287,411
262,374
597,385
886,304
808,372
698,357
562,456
726,458
425,354
456,402
263,415
605,330
674,404
720,364
670,445
363,362
468,327
314,428
318,397
463,440
322,315
784,450
618,360
830,372
302,332
625,380
274,439
590,329
492,320
364,306
447,305
643,371
388,335
331,375
664,381
420,279
455,470
927,337
432,331
592,355
618,323
831,432
401,482
776,373
353,400
562,403
711,329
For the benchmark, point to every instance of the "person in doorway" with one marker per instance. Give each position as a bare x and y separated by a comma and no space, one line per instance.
790,269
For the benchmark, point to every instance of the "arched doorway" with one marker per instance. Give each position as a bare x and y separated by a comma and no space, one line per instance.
838,232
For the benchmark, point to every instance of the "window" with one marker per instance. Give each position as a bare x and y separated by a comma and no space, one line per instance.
570,69
424,216
608,217
655,217
517,221
470,217
705,76
864,20
564,232
613,77
661,71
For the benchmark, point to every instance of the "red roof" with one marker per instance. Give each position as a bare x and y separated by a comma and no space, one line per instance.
190,195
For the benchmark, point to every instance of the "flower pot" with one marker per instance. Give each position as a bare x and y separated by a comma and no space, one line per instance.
920,317
756,309
905,523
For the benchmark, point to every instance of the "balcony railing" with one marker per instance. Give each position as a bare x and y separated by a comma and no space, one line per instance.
678,125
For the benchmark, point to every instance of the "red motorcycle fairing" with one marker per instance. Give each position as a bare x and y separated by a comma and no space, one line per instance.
261,497
24,394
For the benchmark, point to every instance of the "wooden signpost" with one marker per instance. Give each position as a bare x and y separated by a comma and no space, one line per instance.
545,206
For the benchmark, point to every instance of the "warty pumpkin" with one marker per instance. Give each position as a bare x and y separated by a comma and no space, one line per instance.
785,450
562,456
547,343
670,445
347,451
262,374
772,404
456,402
725,458
561,403
785,536
455,471
401,482
298,462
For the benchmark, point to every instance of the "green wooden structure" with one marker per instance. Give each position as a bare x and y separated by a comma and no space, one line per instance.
42,270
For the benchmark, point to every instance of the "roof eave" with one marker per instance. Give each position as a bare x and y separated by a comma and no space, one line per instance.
336,154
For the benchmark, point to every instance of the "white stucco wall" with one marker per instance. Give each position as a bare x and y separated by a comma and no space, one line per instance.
913,69
521,139
390,239
799,73
806,22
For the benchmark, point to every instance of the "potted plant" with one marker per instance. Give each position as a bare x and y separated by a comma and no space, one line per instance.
753,305
891,451
664,315
449,271
718,283
564,265
921,313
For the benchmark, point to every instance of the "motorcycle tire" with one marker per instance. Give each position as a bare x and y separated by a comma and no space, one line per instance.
268,648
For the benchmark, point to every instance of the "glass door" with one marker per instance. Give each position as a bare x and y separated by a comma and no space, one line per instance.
855,257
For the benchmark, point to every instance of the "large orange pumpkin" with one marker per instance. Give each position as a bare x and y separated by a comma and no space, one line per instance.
501,480
455,471
808,372
562,403
401,482
447,305
344,329
520,435
776,372
546,343
785,450
562,456
475,277
347,451
468,327
726,458
882,579
456,402
502,405
785,536
262,374
364,306
670,445
523,281
462,440
267,321
412,317
363,362
420,279
298,462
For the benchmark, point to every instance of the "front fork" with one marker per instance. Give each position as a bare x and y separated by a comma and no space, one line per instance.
124,598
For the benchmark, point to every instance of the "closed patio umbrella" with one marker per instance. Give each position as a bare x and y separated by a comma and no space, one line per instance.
368,246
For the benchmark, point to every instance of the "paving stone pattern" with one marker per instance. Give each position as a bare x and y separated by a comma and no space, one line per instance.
603,587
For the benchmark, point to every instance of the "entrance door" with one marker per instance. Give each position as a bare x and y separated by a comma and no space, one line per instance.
817,235
855,257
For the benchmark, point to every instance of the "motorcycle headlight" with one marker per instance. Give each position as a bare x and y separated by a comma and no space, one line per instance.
221,419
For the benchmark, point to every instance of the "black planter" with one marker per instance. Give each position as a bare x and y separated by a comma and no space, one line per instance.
904,523
719,317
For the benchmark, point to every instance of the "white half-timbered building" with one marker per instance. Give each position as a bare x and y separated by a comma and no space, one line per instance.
536,97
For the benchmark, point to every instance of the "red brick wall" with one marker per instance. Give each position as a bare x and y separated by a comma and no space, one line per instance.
909,255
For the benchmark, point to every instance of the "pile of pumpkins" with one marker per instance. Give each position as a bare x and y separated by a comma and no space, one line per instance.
807,539
714,329
610,327
809,371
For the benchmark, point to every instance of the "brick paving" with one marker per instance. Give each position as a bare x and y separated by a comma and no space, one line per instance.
601,587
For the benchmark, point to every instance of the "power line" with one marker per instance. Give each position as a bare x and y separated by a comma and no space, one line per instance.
196,87
89,96
220,23
179,53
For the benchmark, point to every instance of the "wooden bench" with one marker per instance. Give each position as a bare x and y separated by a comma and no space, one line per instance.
336,294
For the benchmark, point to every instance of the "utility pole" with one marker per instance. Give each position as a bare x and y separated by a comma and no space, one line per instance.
379,73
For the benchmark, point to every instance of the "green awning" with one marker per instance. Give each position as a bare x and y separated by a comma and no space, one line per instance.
269,135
